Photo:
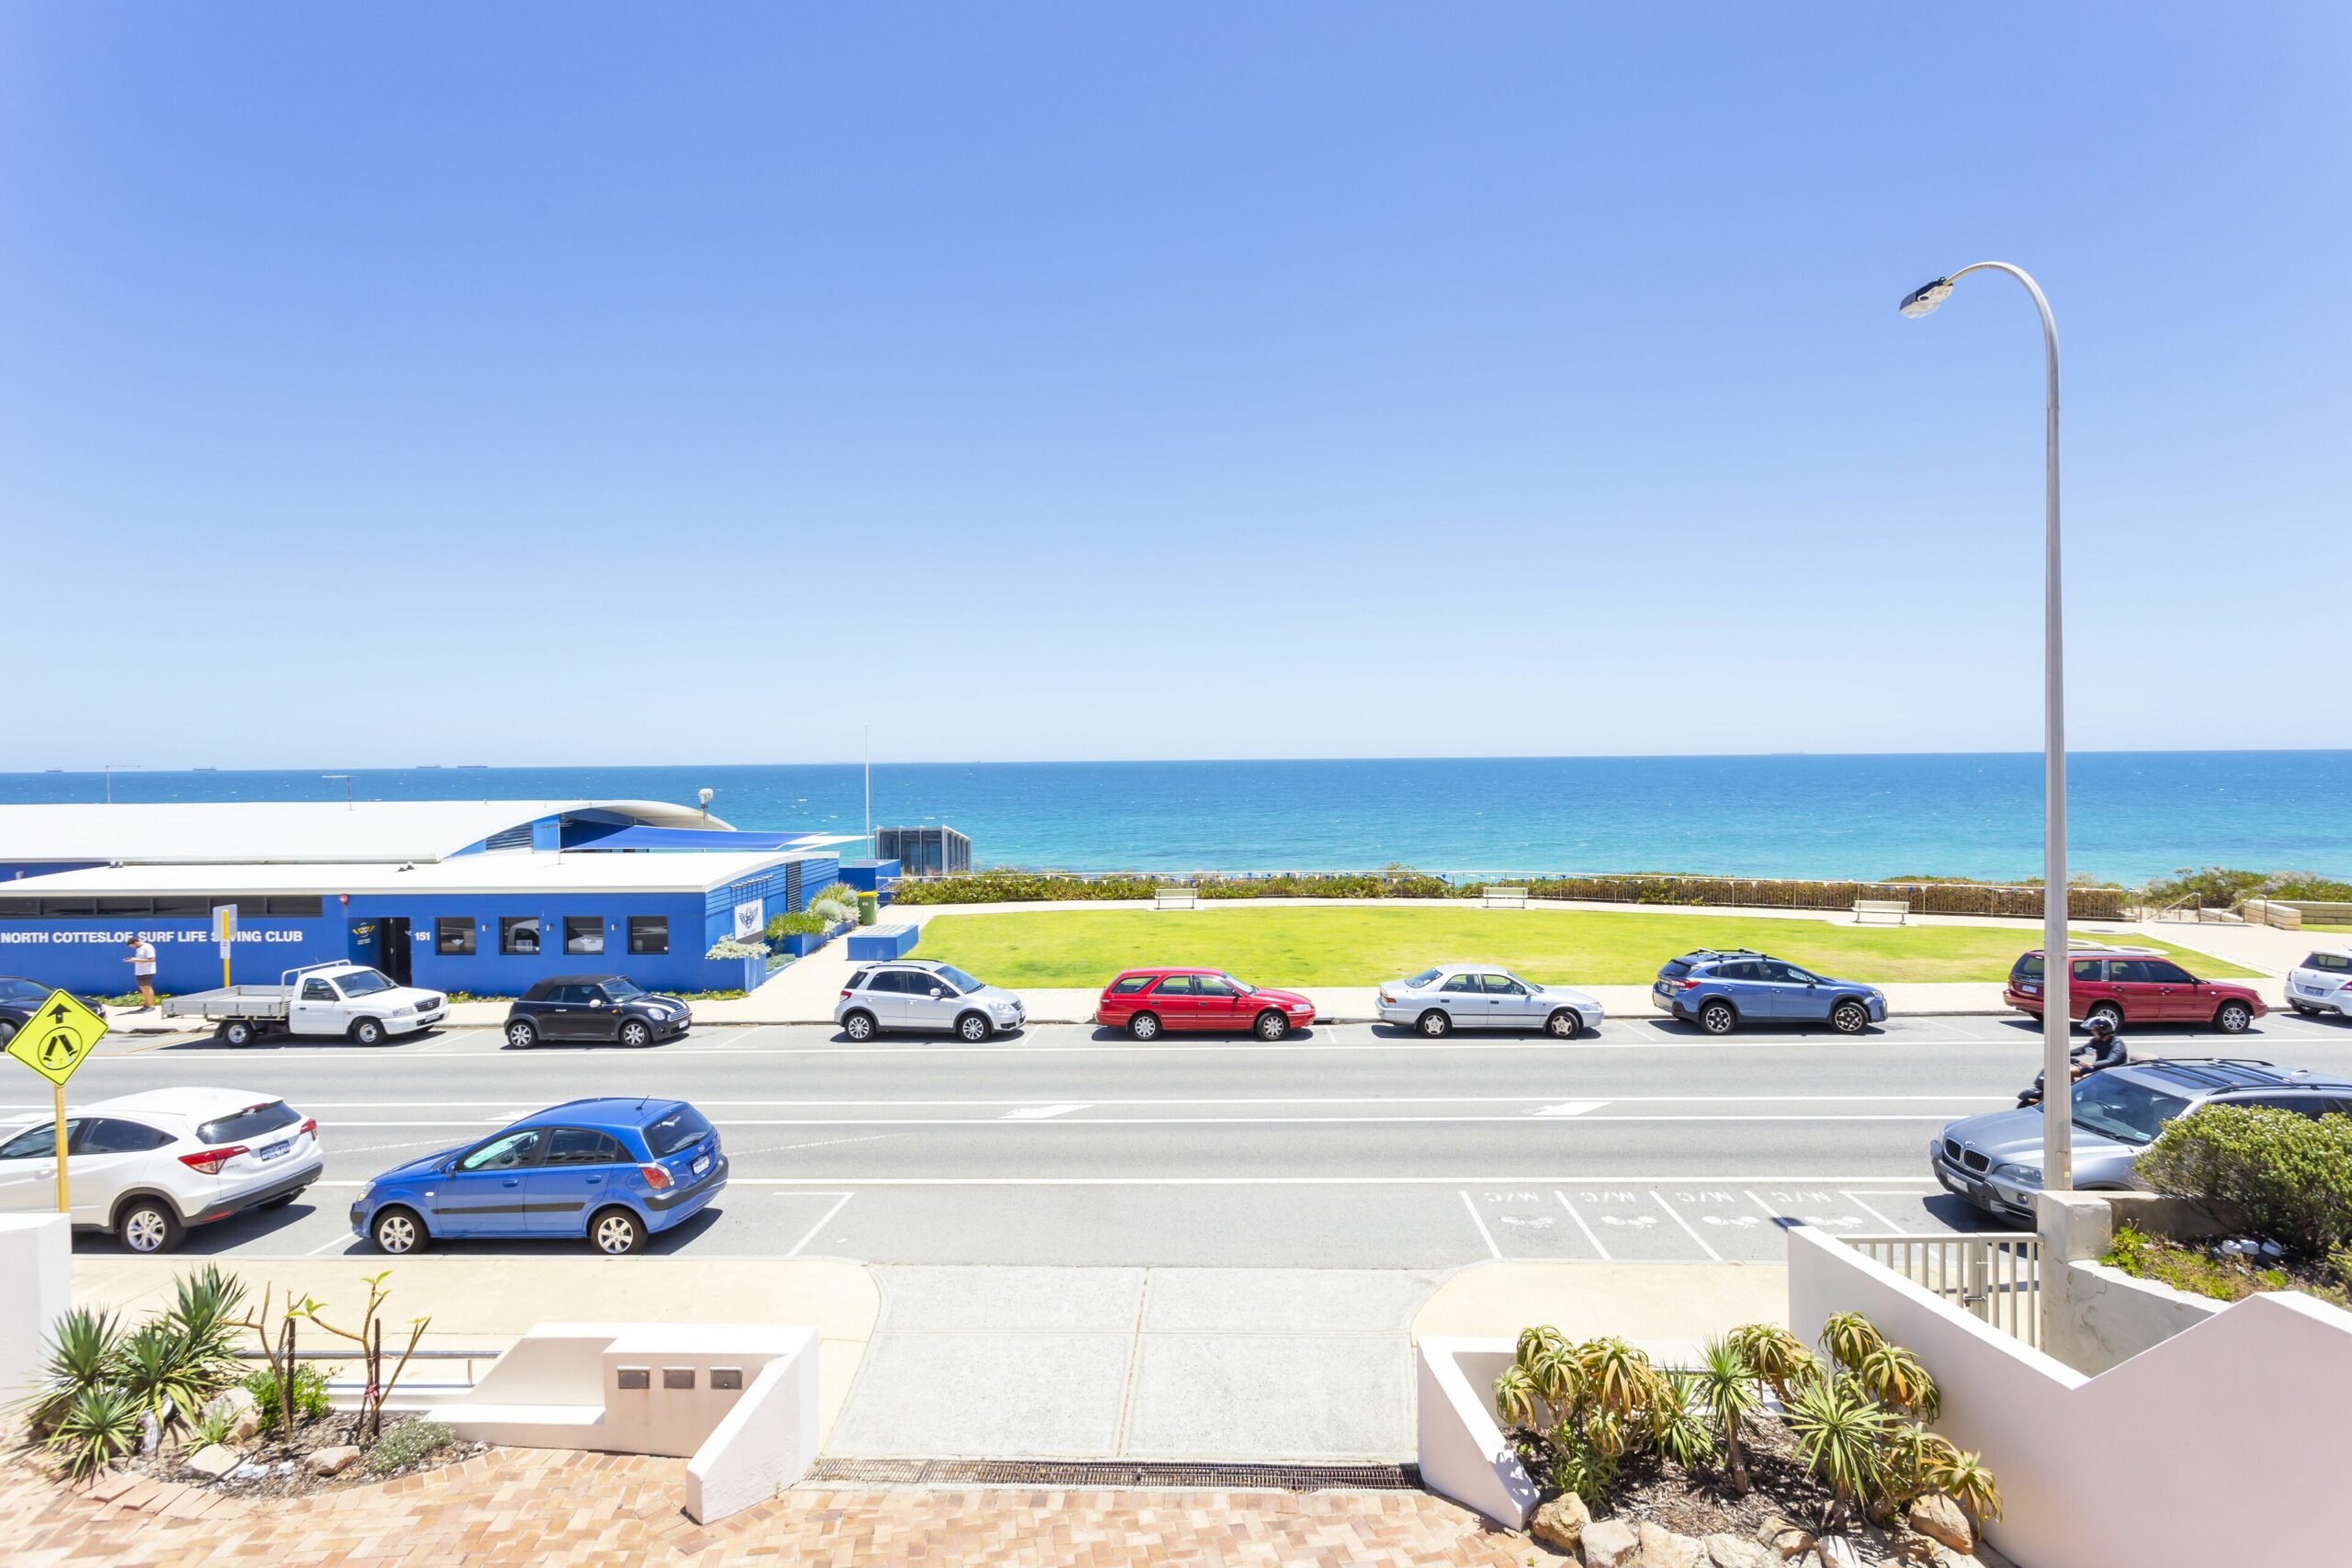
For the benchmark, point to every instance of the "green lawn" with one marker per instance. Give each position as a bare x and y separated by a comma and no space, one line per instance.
1322,945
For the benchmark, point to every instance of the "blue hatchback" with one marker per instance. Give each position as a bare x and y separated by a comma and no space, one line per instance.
1719,990
614,1171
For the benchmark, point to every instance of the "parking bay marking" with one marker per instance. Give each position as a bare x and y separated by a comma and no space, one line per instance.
840,1199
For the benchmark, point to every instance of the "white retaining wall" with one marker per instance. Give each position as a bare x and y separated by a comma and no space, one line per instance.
2223,1443
36,1289
1461,1448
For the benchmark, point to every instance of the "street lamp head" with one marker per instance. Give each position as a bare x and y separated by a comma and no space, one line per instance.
1927,296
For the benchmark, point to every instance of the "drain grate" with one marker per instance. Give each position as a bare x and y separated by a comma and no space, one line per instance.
1110,1472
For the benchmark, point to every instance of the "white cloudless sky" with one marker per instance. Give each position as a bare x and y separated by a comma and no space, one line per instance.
560,383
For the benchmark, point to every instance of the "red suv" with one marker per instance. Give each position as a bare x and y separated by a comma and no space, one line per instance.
2134,986
1145,1001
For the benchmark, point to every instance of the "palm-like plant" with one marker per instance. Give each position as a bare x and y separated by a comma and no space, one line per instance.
1727,1390
97,1427
1839,1430
1677,1432
80,1356
205,1306
1894,1377
1964,1479
1779,1357
1849,1337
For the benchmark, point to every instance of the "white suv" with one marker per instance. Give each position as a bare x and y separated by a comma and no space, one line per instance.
146,1167
905,994
2322,983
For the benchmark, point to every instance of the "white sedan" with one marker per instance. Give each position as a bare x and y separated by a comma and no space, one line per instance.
1480,996
144,1168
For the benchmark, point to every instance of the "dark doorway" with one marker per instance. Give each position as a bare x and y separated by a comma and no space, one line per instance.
395,950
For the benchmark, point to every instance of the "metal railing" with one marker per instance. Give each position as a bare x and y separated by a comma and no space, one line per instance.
1992,1275
409,1379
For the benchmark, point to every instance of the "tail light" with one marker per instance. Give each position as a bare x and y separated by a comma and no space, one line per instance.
210,1161
1690,984
844,996
655,1177
309,1125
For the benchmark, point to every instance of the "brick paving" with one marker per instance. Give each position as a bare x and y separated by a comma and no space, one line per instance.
571,1510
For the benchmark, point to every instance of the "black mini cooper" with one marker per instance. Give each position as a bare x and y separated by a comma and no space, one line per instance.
594,1008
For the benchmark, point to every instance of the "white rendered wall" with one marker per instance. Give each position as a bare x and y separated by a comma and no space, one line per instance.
1461,1448
36,1289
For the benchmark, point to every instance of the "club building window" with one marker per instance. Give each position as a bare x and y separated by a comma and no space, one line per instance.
649,935
584,936
453,936
518,935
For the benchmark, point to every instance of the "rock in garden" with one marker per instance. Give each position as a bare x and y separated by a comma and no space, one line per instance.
243,1410
1730,1552
1559,1524
1937,1516
332,1462
1784,1540
1837,1551
1611,1543
1910,1546
214,1460
1661,1548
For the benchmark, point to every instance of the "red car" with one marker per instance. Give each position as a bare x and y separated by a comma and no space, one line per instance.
1145,1001
2135,985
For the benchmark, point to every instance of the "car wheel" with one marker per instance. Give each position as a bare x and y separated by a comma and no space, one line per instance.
2107,1011
634,1034
1718,1017
522,1034
147,1225
1850,1018
1271,1025
615,1233
1144,1026
240,1032
858,1026
397,1231
1437,1023
2232,1018
1565,1024
973,1027
367,1031
9,1033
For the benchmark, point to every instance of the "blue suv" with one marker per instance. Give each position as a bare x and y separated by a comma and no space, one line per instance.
1721,989
614,1171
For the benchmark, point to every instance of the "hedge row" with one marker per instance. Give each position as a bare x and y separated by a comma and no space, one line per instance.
1924,897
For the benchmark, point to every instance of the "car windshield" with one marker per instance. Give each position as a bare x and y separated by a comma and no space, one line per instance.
363,982
1421,979
2124,1108
22,991
1244,986
683,1128
956,978
620,990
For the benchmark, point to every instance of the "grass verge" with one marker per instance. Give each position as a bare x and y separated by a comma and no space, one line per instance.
1324,945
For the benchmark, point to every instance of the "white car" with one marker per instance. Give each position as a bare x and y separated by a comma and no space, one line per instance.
146,1167
350,999
904,993
2322,983
1481,996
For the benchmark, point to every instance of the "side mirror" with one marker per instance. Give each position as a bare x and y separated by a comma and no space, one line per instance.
937,995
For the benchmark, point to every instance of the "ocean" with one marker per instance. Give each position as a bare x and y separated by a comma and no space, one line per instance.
2135,815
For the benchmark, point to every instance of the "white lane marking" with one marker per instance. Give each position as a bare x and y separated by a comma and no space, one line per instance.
1688,1228
1589,1234
2002,1099
345,1239
821,1224
1049,1117
1572,1179
1027,1113
1569,1108
1849,1197
1484,1234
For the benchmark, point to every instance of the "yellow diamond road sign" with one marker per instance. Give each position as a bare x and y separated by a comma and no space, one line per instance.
58,1037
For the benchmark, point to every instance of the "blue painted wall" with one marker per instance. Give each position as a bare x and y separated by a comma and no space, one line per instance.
86,955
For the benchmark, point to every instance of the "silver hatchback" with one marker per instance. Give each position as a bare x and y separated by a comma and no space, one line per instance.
909,994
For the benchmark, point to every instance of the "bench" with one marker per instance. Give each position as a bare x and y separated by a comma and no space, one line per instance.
1175,899
1900,909
1496,898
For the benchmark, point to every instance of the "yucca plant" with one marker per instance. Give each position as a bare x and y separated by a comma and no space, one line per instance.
1579,1467
80,1356
1779,1357
97,1427
205,1306
1839,1430
164,1373
1849,1337
1895,1378
1727,1392
1964,1479
1677,1431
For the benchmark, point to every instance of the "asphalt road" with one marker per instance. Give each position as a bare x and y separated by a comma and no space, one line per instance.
1348,1146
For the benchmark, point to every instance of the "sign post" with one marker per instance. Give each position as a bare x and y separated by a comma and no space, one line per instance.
224,932
55,1041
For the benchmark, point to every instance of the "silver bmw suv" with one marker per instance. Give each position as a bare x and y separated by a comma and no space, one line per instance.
1994,1161
905,993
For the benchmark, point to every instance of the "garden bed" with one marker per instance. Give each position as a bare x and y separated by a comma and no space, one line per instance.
2203,1268
281,1467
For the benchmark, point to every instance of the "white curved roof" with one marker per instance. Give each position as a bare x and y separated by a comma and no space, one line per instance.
259,832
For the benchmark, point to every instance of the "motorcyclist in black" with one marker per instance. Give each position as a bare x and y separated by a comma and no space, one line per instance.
2103,1050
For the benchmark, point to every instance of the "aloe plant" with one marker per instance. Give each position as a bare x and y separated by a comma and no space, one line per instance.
81,1355
1894,1377
1676,1431
1727,1391
205,1306
1963,1478
97,1427
1849,1337
1616,1378
164,1373
1779,1357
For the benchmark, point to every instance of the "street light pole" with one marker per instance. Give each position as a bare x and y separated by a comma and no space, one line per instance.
2057,971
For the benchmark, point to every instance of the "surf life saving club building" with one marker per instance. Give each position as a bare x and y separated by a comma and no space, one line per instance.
485,896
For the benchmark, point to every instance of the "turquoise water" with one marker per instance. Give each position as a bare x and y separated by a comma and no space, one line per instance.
2134,814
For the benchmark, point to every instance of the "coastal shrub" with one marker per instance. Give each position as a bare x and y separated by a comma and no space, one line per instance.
2224,887
310,1390
1927,897
835,903
411,1442
728,947
803,922
2291,1175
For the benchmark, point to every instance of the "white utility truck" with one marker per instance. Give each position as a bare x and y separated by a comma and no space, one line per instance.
350,999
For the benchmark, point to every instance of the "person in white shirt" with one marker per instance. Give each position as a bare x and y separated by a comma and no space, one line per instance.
142,960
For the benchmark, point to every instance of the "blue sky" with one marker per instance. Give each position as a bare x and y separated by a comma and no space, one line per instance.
567,383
